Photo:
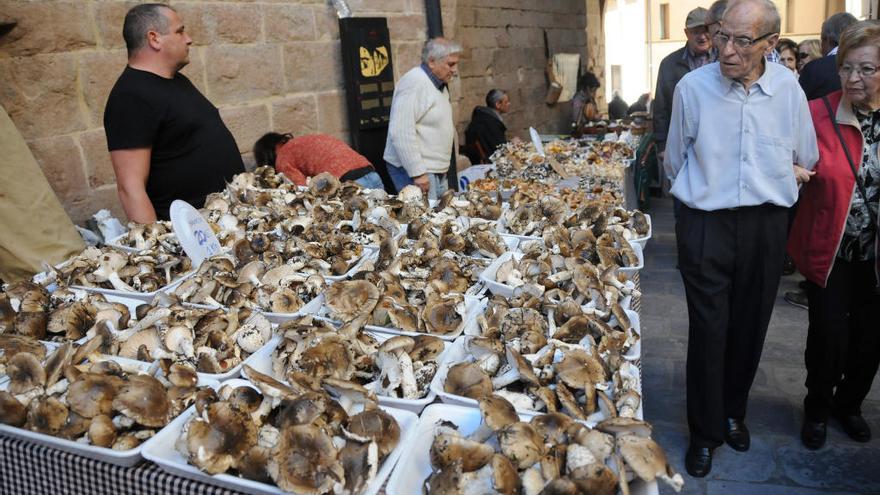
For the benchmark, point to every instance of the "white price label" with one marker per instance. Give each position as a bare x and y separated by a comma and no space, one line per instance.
193,231
536,140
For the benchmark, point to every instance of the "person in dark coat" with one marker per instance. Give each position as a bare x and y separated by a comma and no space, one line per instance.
819,77
641,105
487,127
617,107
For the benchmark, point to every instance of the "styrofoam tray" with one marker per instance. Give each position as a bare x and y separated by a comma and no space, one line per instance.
162,452
415,463
457,354
123,458
642,241
473,306
116,244
640,254
312,307
143,296
262,362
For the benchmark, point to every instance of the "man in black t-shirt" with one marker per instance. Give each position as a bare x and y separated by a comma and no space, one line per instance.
166,140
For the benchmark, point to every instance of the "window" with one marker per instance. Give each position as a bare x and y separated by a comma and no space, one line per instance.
615,79
664,21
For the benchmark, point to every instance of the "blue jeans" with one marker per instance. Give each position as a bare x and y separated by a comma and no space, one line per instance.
371,181
401,179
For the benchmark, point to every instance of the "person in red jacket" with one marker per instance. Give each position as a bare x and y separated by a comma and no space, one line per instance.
834,243
302,157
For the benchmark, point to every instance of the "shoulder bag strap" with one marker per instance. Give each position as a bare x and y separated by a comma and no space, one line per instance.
852,166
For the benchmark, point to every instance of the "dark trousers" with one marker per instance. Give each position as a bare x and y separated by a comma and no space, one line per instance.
843,340
730,262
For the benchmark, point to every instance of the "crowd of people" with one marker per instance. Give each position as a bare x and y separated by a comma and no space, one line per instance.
747,124
770,148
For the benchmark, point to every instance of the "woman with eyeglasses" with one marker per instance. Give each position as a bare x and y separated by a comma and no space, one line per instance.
834,243
808,51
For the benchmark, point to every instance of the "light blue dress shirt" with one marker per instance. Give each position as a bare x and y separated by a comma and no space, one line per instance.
727,149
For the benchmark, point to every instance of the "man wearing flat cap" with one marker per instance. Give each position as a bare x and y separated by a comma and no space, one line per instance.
696,53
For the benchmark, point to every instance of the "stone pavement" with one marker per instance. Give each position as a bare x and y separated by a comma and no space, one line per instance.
777,463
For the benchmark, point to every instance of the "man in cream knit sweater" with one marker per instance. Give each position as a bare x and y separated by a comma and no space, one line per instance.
421,132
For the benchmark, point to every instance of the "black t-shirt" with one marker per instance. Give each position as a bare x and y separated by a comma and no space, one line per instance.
193,153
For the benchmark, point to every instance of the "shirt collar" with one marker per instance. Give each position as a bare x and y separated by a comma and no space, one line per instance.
434,79
767,81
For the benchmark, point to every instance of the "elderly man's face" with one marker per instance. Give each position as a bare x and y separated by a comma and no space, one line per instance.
743,63
698,39
444,68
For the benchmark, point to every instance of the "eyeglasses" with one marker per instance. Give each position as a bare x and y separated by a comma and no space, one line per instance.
803,55
740,42
863,71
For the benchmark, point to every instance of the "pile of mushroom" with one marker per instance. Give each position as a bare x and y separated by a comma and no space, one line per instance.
108,268
313,350
27,309
550,454
207,340
98,402
150,235
317,439
257,285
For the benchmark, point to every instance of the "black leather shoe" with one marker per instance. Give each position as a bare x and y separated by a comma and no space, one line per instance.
813,434
737,435
698,461
855,426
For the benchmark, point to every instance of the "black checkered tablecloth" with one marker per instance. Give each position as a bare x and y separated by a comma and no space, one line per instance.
27,468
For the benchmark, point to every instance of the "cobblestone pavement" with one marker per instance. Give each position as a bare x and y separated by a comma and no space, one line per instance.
777,463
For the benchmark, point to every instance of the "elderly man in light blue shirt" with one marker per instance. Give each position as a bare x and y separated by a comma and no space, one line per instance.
740,141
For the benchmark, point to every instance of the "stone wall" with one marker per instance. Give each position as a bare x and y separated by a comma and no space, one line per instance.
267,64
504,48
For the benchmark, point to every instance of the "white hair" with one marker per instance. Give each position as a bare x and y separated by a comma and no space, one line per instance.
439,48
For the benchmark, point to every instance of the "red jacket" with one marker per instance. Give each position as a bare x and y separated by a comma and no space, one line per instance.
825,200
308,156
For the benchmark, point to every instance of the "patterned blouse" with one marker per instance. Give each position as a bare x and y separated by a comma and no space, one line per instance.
860,233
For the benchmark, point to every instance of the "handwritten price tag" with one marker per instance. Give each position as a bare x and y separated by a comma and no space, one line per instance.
193,231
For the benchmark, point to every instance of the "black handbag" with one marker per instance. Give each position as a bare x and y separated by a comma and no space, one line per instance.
852,166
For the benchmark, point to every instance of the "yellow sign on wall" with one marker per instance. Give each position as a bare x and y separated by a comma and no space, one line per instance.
373,62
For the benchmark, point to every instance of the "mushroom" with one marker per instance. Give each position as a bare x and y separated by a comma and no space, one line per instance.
92,395
254,334
12,412
25,373
468,380
622,426
351,299
179,340
102,431
347,393
360,462
552,427
377,426
215,441
497,413
56,362
520,369
143,399
448,449
304,461
110,262
596,478
148,338
426,348
648,460
521,443
47,415
399,346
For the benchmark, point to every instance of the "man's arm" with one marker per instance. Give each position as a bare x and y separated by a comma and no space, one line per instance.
132,167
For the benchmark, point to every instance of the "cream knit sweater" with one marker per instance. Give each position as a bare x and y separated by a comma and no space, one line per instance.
420,133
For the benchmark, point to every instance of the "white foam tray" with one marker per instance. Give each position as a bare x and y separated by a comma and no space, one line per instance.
457,354
123,458
162,452
143,296
365,254
474,305
415,464
312,307
115,243
509,292
642,241
262,362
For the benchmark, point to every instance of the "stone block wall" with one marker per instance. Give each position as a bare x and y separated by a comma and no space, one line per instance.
267,64
504,48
